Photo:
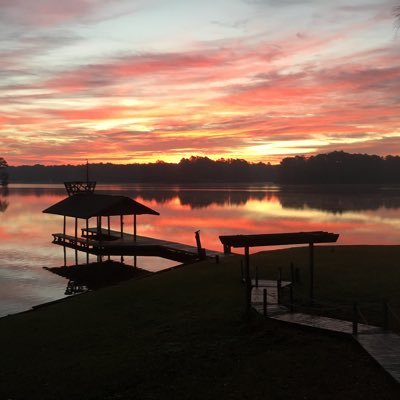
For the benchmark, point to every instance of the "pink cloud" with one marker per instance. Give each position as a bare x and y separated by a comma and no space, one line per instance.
210,100
45,12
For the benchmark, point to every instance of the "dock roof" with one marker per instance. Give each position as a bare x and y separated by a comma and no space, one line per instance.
90,205
275,239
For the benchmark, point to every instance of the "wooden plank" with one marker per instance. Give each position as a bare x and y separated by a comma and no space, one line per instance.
128,240
274,239
385,349
382,346
126,245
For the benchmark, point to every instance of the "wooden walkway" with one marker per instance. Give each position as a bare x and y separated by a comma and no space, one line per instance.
115,245
382,346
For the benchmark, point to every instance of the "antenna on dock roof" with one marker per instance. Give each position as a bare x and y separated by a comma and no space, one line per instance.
76,187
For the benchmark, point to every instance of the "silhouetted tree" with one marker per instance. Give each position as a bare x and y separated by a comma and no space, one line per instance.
3,172
340,167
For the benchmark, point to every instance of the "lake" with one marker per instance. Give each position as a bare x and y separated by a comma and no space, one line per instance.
360,214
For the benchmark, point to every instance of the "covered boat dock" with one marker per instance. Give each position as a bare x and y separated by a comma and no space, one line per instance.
101,240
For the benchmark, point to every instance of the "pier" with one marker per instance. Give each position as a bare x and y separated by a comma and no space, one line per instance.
106,242
379,342
102,241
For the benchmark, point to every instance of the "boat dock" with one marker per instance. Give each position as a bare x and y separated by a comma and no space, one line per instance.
106,242
101,240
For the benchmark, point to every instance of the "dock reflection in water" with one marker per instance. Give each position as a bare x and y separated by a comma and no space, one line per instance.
94,276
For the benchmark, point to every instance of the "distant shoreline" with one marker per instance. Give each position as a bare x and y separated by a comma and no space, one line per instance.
337,167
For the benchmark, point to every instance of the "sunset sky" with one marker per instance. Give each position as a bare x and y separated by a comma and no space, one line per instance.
144,80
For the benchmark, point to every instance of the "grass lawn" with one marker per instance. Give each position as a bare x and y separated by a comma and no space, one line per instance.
183,335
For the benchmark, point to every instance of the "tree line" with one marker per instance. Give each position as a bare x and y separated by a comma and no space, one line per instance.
188,170
336,167
341,168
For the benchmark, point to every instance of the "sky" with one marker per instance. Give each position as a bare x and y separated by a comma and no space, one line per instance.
128,81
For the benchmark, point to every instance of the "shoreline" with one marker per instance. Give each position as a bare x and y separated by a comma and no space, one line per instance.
71,296
193,320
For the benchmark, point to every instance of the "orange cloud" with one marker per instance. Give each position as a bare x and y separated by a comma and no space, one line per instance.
242,100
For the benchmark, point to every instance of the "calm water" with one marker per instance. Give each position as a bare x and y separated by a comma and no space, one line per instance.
362,215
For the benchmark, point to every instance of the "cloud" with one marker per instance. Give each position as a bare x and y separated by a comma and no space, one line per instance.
251,97
45,12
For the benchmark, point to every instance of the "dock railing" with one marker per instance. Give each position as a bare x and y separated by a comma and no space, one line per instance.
375,313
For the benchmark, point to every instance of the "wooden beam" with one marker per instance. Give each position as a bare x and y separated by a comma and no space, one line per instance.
134,227
122,226
274,239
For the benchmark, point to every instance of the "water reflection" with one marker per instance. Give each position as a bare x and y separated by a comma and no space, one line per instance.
96,275
3,202
330,198
340,199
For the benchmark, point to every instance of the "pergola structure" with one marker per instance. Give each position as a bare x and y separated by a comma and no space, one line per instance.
89,205
276,239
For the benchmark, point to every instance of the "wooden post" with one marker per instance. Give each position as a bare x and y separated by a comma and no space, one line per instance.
200,251
100,238
247,278
278,291
355,318
87,241
122,226
291,297
134,227
256,276
297,275
292,277
65,225
311,249
385,310
279,285
227,249
108,225
65,256
265,304
76,237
